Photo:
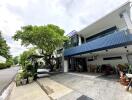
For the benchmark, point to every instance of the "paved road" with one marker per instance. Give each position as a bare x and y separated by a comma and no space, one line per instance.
6,76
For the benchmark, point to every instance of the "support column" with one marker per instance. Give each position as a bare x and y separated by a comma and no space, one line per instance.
79,40
128,21
62,64
65,65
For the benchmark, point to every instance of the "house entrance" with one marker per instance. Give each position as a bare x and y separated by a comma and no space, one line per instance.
77,64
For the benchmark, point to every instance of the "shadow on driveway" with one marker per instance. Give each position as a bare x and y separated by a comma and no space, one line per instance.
83,97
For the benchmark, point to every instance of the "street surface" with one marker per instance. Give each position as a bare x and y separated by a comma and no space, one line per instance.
6,76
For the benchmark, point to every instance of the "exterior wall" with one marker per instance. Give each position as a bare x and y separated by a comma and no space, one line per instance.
127,20
130,59
100,61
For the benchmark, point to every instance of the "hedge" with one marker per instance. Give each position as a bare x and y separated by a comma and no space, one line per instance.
4,65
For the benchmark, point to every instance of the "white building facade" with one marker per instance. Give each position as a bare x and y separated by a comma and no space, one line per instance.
106,41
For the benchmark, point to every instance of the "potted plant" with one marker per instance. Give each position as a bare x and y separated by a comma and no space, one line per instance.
30,77
18,79
130,69
24,81
24,77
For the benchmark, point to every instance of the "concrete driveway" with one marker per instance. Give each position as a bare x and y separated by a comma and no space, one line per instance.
92,87
6,76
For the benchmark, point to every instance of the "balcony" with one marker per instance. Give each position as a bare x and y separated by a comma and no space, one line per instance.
114,40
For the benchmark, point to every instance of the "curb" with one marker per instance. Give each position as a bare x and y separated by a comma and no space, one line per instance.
7,84
6,91
6,94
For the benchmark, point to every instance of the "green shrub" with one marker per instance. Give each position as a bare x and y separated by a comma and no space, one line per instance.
9,62
24,74
8,65
4,65
29,69
18,77
130,69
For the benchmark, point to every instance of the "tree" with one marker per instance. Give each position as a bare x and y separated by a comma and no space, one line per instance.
46,38
9,61
16,60
24,56
4,48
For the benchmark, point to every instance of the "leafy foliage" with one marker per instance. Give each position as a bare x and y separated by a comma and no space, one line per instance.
9,61
46,38
24,56
7,64
4,49
4,65
130,69
16,60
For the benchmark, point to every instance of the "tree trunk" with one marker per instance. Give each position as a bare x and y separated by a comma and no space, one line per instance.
48,61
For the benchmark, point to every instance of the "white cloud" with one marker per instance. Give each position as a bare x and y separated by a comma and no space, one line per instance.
9,23
68,14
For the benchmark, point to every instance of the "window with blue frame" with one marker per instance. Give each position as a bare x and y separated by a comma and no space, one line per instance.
72,42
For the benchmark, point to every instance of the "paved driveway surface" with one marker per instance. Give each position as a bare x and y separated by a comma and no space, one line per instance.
6,76
92,88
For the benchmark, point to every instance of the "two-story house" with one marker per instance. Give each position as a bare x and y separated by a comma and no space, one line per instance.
106,41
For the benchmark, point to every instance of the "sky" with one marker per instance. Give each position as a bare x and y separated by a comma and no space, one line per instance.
67,14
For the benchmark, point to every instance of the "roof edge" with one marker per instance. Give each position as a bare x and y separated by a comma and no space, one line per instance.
128,2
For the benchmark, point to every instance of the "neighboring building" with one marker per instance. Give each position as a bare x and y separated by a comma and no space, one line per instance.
106,41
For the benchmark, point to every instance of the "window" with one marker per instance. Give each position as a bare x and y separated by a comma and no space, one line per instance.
82,39
91,59
73,41
101,34
112,58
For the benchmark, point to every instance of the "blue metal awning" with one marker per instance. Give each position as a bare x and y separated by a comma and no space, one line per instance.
110,41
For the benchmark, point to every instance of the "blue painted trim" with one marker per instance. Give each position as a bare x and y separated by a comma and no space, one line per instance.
117,39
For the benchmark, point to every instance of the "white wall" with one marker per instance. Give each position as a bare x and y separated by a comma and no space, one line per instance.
130,59
100,61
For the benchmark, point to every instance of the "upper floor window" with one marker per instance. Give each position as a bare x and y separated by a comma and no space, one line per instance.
73,41
102,34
